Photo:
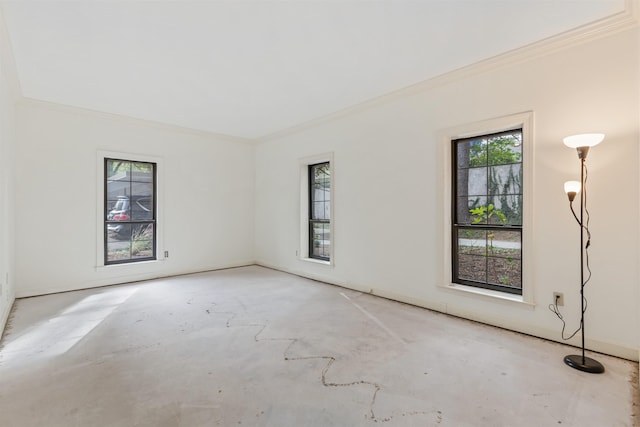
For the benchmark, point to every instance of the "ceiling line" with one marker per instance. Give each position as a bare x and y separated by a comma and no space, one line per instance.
626,20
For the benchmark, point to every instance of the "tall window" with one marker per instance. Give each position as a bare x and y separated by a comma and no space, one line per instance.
320,211
487,211
129,211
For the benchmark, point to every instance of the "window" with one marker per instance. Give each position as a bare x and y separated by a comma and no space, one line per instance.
487,211
129,211
320,211
317,211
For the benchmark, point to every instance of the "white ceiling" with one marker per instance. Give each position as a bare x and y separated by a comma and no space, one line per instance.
251,68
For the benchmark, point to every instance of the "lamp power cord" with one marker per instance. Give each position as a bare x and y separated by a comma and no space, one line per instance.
584,228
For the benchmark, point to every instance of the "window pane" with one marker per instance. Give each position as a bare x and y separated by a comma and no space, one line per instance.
320,191
118,187
119,231
477,152
142,172
320,174
472,242
118,250
114,205
463,216
504,243
120,210
471,153
462,182
141,189
507,239
477,181
142,241
505,149
505,179
321,243
117,169
142,209
321,210
476,211
504,271
472,181
507,210
472,267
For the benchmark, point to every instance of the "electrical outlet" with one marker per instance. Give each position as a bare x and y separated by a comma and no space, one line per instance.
558,298
166,254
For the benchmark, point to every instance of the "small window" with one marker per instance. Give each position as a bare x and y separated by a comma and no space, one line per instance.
129,211
487,211
320,211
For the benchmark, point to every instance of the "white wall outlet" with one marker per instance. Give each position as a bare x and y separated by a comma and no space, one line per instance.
558,298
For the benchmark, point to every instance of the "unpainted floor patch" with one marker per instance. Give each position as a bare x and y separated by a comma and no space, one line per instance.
330,360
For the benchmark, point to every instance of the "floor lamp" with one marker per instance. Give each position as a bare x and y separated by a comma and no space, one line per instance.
582,143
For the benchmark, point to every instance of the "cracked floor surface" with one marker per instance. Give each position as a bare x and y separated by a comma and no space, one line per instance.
256,347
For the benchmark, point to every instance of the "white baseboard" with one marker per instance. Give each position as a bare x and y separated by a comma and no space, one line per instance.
4,317
608,348
124,279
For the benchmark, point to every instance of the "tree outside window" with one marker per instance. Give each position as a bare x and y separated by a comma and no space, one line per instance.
487,210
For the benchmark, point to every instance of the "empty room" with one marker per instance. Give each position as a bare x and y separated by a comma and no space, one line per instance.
319,213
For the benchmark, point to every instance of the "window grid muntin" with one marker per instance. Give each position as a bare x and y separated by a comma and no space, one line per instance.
458,203
131,222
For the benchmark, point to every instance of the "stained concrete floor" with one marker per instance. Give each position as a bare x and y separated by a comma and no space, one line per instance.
255,347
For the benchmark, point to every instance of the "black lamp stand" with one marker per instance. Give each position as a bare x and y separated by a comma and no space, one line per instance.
580,361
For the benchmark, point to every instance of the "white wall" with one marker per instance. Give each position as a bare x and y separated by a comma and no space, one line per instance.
9,91
206,211
388,189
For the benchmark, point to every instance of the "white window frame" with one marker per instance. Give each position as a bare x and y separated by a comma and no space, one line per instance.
303,249
520,120
100,159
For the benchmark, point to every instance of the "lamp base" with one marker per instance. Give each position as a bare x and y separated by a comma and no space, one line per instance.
585,364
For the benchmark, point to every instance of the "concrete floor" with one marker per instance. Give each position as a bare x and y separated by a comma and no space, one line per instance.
255,347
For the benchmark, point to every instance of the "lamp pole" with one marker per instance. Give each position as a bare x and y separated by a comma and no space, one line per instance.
582,362
582,165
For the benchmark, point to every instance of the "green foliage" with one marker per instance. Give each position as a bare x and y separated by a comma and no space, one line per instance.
500,150
115,166
141,241
487,215
322,176
322,170
501,158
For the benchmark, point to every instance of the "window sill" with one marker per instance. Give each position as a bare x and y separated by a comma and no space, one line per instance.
130,265
489,294
318,261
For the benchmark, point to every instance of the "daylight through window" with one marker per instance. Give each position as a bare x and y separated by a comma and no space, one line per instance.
320,211
129,211
487,211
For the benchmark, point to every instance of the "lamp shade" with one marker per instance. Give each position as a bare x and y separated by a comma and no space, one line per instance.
583,140
572,187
